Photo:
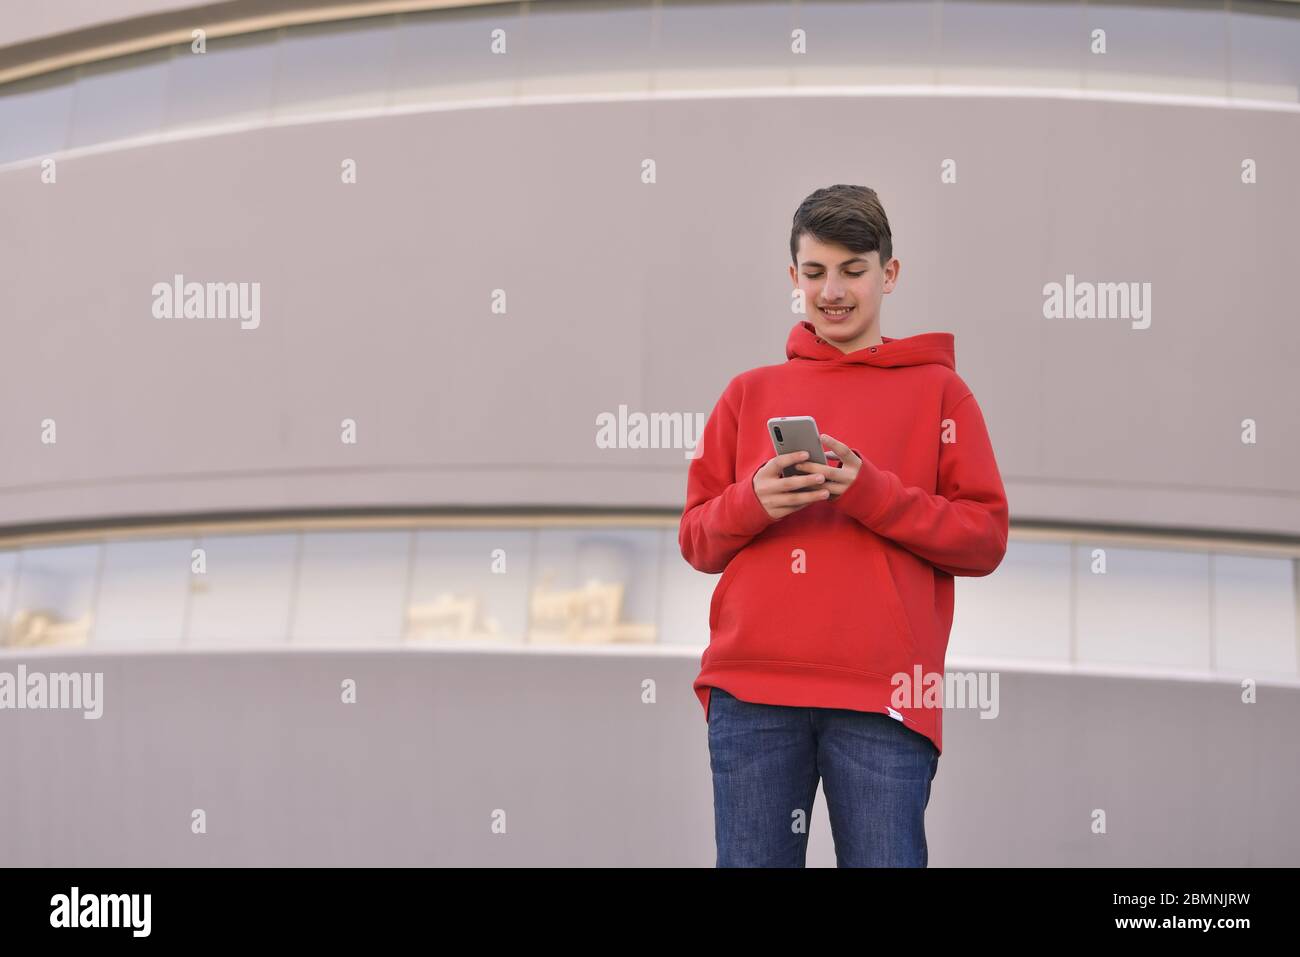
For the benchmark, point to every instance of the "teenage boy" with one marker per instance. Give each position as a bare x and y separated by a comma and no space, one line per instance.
836,597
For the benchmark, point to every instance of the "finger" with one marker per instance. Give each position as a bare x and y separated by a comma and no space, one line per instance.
811,468
778,463
842,451
797,496
791,458
798,483
837,477
831,442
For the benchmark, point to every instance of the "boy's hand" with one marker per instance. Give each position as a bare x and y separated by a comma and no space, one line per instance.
837,480
781,496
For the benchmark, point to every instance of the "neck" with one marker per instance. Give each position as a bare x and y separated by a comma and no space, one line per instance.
869,337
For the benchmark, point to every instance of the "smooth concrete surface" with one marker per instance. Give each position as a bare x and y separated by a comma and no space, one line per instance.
439,743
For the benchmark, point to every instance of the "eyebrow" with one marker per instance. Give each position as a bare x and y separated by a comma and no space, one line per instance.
855,259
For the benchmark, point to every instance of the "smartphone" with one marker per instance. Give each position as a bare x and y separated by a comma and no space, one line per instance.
797,433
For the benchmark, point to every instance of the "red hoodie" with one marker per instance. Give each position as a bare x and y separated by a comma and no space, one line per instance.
823,607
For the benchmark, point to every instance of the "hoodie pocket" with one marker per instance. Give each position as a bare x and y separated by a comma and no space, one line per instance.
894,599
844,612
720,589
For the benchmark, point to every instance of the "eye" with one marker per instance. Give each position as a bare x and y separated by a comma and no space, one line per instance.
817,275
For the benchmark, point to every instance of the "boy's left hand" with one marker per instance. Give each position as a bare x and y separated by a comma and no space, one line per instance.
837,479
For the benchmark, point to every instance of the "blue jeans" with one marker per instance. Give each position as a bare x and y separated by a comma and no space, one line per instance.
766,762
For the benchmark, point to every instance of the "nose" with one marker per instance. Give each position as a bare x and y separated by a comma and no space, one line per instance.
832,291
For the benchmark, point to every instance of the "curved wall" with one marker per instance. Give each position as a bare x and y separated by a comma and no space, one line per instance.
27,20
500,275
376,301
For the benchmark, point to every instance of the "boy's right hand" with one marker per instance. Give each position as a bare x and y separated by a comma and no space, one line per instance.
780,496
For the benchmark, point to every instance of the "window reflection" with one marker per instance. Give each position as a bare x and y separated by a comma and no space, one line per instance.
351,586
1143,606
53,599
230,83
1254,619
35,114
604,585
244,591
143,591
8,583
470,585
325,67
1021,612
685,595
594,586
120,98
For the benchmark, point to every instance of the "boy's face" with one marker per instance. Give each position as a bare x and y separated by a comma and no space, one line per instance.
833,276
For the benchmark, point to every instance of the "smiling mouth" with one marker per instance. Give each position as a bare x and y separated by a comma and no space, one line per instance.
836,313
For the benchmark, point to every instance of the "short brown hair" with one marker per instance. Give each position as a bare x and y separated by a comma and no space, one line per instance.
848,215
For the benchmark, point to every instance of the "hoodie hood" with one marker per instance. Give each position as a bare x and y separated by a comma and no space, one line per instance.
928,347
